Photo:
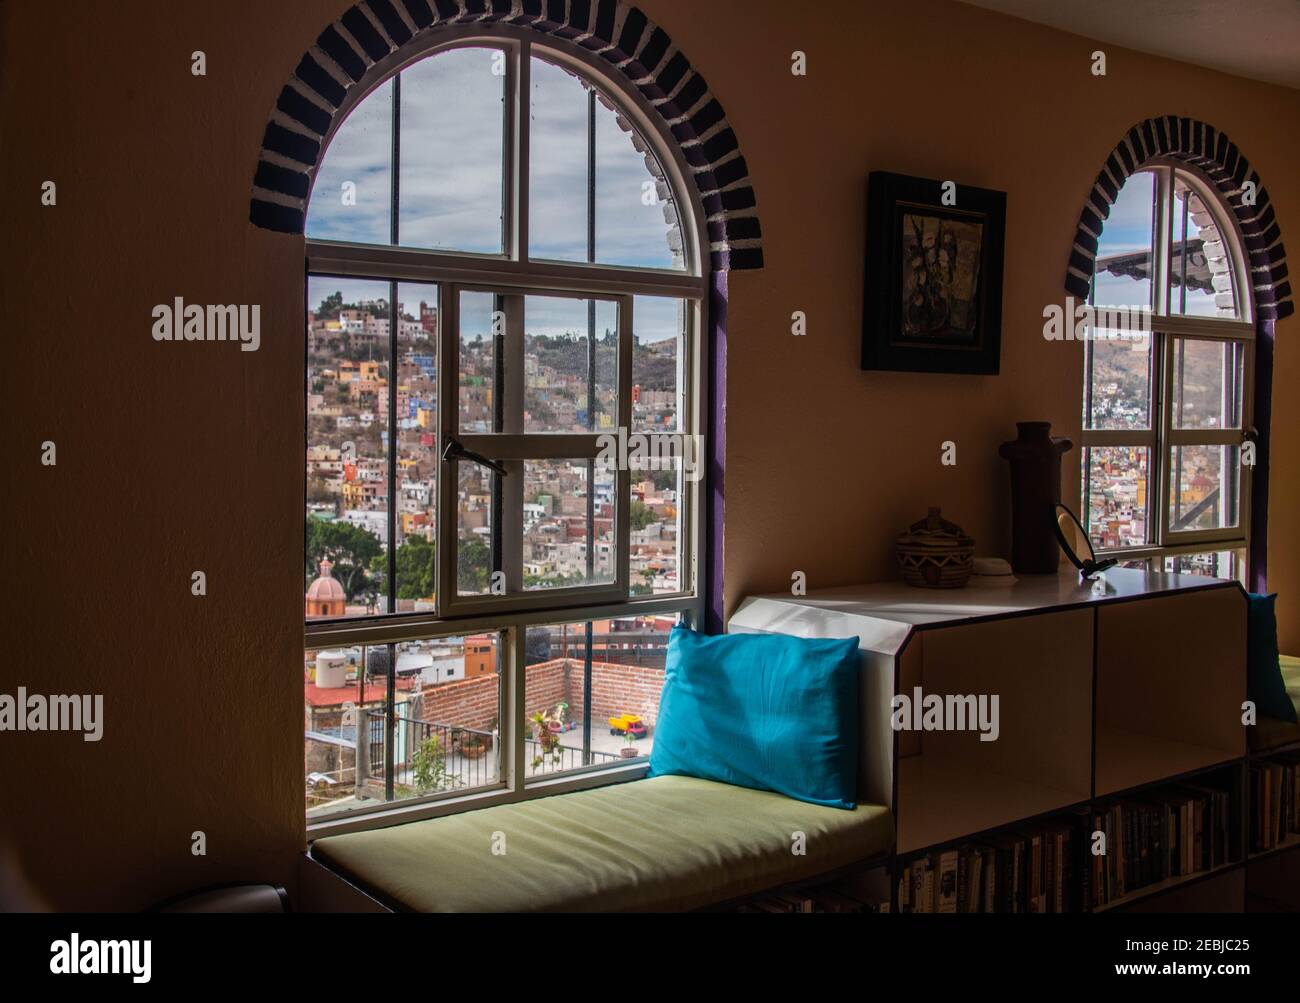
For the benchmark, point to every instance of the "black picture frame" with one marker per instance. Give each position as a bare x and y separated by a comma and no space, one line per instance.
941,331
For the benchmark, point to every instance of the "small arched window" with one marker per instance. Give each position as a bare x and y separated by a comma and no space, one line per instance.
504,409
1167,412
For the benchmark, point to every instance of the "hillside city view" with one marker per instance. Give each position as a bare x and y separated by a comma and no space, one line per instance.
447,693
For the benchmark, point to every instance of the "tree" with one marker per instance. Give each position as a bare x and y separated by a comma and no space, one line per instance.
415,569
472,566
640,515
350,548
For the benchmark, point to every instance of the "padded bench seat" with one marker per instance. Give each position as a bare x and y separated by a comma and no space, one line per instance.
664,843
1270,732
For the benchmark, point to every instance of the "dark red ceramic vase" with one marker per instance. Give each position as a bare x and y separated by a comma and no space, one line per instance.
1035,457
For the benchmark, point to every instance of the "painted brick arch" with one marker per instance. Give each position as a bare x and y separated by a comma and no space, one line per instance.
1217,158
615,31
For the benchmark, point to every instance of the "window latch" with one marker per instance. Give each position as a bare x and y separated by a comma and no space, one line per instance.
455,450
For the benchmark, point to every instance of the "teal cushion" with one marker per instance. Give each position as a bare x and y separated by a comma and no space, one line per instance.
765,711
1264,683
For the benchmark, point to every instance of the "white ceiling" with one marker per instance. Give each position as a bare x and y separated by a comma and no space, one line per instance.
1259,39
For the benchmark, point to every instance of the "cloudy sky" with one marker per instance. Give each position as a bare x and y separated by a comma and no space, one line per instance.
450,181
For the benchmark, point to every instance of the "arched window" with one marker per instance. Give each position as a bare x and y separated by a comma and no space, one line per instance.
1167,415
504,418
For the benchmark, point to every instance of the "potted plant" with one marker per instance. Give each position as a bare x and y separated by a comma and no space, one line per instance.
473,746
629,751
547,738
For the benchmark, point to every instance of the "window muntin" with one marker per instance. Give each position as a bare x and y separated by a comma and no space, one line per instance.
475,521
1166,414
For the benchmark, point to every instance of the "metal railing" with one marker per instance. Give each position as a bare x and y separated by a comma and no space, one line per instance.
560,759
430,757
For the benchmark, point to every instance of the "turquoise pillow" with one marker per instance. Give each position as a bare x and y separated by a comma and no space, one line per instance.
1264,683
766,711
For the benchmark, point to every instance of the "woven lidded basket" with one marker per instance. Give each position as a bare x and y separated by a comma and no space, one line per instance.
935,553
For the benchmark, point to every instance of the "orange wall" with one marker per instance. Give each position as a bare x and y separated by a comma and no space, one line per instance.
175,458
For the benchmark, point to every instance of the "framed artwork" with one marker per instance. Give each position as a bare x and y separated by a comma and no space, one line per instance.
933,287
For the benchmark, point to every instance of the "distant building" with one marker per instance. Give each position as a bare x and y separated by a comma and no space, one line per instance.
325,596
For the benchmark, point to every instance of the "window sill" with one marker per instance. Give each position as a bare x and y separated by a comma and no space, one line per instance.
399,813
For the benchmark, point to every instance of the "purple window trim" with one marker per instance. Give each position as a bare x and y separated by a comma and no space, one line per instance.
1257,566
716,360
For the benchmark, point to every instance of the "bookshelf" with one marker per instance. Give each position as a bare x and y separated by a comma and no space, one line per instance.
1126,691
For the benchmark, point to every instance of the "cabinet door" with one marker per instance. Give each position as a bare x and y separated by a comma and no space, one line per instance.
1171,679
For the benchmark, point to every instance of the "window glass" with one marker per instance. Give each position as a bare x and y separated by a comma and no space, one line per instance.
417,446
1122,275
1204,487
570,365
1200,269
574,130
1207,381
451,180
1116,485
352,198
347,447
625,659
1119,394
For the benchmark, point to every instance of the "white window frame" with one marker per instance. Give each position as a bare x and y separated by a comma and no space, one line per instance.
514,273
1161,437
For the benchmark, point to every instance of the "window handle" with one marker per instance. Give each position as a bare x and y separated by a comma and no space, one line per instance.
1250,434
456,451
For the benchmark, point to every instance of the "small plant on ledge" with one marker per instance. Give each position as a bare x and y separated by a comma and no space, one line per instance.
429,766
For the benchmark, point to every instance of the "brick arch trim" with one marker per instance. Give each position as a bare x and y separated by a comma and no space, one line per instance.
308,105
1217,158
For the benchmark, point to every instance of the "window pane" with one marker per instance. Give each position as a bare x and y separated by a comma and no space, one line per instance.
636,221
1115,493
1119,389
452,152
566,541
344,694
1200,270
1206,484
478,343
1207,383
474,528
655,563
347,447
636,218
1226,564
558,164
448,713
627,657
1122,276
417,452
570,365
657,359
352,197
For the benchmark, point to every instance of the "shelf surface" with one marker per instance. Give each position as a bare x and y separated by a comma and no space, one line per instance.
942,801
1127,759
883,615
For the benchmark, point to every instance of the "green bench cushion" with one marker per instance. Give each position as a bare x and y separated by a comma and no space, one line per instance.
665,843
1270,732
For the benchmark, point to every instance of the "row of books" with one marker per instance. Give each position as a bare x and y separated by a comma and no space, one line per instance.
1170,832
1275,802
1029,871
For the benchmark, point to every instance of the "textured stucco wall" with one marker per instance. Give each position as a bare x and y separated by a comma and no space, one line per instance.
173,458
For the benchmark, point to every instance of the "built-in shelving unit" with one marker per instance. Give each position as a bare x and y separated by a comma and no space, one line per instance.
1108,691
